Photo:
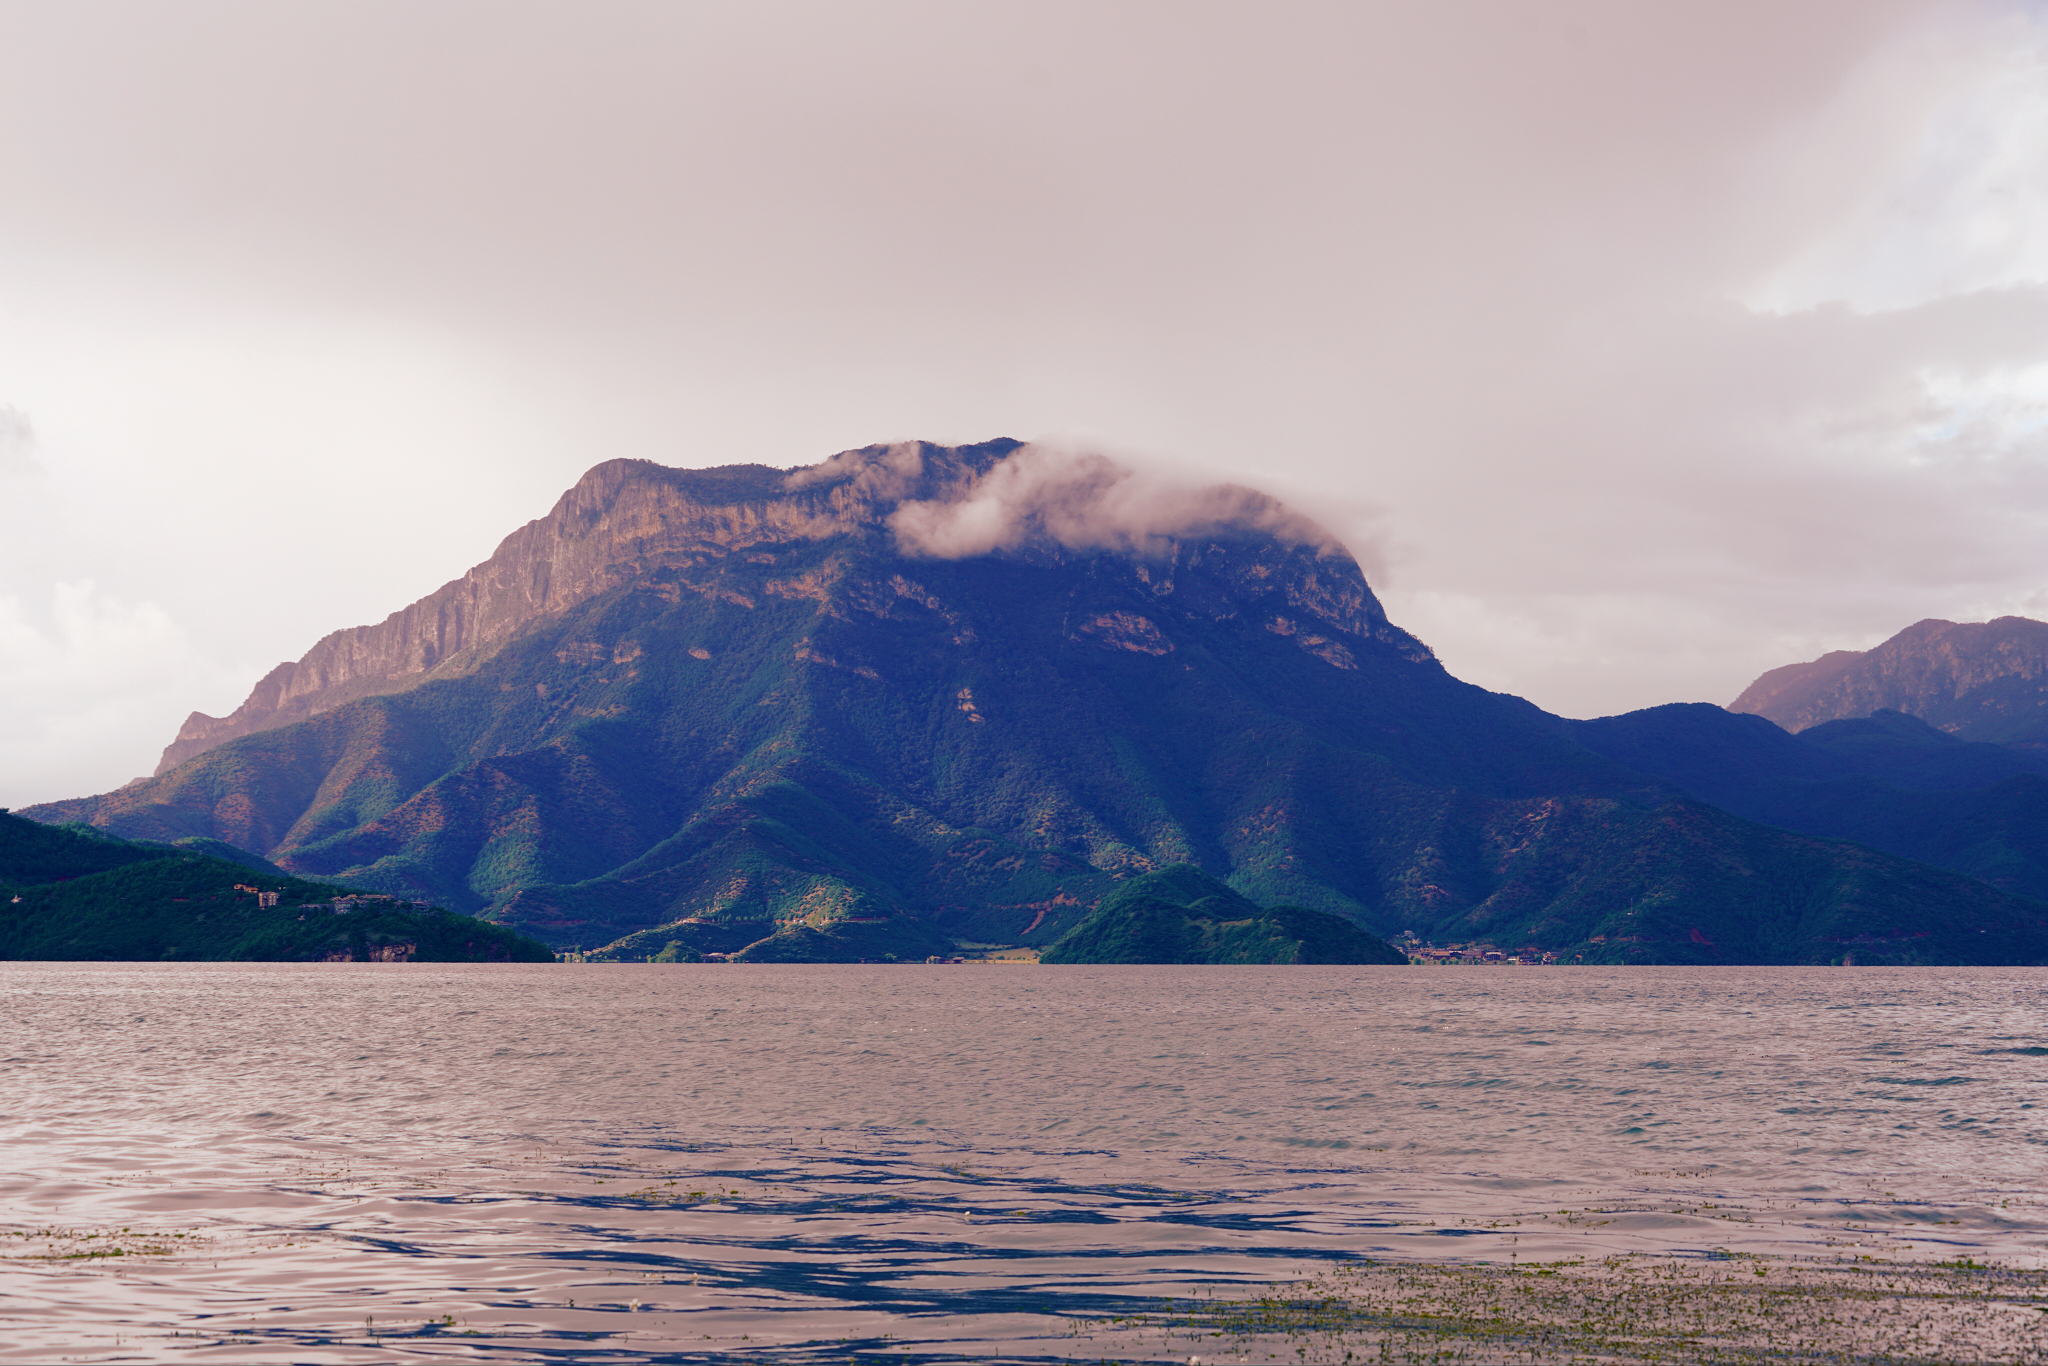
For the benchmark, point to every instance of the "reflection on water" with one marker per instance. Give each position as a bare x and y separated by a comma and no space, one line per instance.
364,1162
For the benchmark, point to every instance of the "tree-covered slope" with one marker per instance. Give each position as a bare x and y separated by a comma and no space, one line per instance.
804,732
1182,915
67,894
31,852
1889,781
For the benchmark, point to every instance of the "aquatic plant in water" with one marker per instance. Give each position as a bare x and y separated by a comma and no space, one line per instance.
1729,1310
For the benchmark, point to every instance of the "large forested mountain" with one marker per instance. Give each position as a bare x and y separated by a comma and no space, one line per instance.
918,695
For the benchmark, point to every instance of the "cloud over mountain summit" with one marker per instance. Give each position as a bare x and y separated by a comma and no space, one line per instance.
1084,500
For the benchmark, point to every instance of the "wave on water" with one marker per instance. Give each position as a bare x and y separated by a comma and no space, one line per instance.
363,1162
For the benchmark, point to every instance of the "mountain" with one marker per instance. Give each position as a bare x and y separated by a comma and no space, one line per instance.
1182,915
621,521
917,695
1975,680
1889,781
68,894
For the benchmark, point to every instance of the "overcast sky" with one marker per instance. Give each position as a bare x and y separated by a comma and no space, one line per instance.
1635,348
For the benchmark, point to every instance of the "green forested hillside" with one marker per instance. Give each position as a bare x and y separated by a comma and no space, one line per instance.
32,852
70,895
1182,915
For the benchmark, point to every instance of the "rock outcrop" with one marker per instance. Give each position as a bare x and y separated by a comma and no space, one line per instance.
1974,680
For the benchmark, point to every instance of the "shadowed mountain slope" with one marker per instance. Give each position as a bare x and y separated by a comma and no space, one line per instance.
1889,780
918,694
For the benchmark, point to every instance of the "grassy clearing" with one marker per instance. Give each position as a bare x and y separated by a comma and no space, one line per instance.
1732,1311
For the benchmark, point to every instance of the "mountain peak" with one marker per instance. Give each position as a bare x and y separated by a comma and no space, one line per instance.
1976,680
626,519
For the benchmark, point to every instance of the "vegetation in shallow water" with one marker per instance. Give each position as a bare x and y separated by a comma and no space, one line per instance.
1724,1310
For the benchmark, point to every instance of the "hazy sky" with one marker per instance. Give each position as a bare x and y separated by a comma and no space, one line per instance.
1636,348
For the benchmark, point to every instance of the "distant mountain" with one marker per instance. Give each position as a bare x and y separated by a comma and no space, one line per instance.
1182,915
70,894
1977,681
918,695
1889,781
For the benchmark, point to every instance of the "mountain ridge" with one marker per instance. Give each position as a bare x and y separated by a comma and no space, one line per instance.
618,519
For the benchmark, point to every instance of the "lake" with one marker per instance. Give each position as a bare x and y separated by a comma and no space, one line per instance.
370,1162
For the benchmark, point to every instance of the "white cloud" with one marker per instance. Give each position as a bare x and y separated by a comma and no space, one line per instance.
1961,203
17,445
2000,412
91,682
1083,500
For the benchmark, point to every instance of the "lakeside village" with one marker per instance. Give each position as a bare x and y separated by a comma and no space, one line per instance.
1420,952
1427,954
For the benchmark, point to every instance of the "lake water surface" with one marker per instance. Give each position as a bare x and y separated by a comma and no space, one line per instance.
367,1162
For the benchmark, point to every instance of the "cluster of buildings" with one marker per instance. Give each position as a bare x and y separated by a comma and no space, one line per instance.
1419,952
342,905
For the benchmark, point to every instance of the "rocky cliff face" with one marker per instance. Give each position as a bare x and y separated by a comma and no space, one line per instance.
626,518
621,519
1977,680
